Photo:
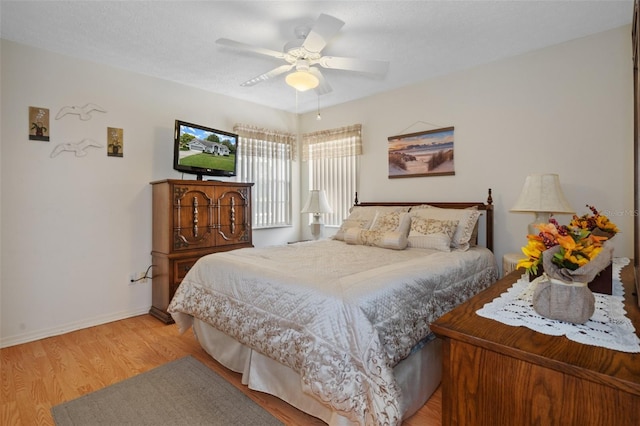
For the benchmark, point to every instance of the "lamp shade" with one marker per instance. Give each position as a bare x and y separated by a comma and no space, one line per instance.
542,193
317,202
302,80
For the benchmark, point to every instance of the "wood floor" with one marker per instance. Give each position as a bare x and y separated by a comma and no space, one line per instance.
38,375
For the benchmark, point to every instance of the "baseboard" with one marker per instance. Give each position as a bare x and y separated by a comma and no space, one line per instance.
66,328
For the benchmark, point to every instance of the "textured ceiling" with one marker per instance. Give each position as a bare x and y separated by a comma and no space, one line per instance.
174,40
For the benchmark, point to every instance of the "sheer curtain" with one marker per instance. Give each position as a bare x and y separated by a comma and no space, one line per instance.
333,157
264,158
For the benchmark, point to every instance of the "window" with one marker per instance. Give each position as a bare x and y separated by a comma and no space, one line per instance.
264,158
333,157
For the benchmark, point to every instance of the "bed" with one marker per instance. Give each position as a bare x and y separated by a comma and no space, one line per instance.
339,328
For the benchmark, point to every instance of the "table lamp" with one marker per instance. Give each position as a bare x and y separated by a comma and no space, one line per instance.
317,204
542,195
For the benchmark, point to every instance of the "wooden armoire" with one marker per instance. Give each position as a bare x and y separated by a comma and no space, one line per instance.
191,219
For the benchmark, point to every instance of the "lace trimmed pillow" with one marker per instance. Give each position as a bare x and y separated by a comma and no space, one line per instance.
431,233
362,217
389,230
467,219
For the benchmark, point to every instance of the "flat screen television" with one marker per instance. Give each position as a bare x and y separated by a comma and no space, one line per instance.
204,151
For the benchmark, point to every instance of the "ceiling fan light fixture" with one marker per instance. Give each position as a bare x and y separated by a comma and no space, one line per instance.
302,80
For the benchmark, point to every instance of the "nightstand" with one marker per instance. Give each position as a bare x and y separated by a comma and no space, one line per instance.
509,262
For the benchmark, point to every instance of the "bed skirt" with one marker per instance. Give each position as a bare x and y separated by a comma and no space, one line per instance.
418,375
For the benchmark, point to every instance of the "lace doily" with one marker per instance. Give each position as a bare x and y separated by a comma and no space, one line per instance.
608,327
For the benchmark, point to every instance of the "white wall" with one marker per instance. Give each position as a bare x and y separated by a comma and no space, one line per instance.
73,229
566,109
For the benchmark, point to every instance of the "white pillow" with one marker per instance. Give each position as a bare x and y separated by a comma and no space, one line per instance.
466,218
431,233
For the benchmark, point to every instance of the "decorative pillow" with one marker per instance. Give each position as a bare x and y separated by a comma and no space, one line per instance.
473,241
365,216
352,236
467,219
389,230
390,239
351,223
431,233
392,221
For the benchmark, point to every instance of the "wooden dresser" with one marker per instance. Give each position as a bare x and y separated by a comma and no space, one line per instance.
496,374
191,219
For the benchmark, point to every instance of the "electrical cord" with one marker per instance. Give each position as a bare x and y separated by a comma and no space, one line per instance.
145,276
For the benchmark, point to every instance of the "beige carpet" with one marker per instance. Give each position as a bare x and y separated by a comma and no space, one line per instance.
182,392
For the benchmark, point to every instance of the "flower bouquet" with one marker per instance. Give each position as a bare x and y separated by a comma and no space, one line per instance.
577,244
572,256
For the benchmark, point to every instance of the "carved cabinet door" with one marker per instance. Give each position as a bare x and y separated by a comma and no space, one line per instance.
234,217
194,217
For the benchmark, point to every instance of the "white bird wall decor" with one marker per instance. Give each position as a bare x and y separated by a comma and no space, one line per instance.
84,112
79,148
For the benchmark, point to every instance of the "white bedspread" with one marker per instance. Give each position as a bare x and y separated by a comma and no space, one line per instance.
340,315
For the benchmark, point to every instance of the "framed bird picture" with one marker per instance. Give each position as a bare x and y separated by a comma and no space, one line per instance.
115,144
38,124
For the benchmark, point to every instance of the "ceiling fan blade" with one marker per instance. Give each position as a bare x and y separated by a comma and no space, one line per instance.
323,87
353,64
249,48
266,76
324,29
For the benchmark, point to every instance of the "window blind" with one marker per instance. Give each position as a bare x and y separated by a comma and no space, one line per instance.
265,158
333,157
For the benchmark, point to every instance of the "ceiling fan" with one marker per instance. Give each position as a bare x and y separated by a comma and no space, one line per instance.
304,53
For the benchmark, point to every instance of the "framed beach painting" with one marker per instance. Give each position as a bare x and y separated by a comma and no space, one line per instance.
428,153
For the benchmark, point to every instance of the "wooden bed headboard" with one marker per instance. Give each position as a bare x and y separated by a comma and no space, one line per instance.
487,207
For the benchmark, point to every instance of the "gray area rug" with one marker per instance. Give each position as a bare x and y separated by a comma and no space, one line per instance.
182,392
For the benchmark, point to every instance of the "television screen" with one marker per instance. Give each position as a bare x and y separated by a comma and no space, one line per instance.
202,150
